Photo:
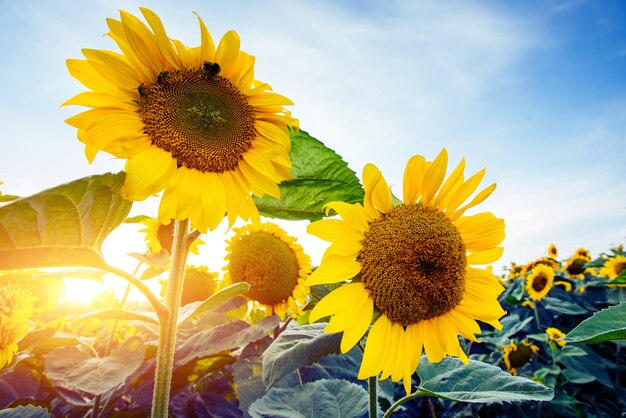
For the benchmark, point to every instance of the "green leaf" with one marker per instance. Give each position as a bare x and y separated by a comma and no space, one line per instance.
476,382
606,325
8,198
562,306
322,398
120,314
27,411
62,226
223,337
213,302
297,347
81,370
319,175
619,280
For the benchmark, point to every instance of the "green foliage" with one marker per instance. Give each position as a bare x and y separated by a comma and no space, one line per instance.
76,368
605,325
62,226
213,302
27,411
297,347
476,382
323,398
319,175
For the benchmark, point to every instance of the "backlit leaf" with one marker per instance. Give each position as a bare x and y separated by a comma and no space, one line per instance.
62,226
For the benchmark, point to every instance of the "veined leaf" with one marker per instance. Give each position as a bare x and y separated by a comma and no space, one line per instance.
81,370
319,175
214,301
322,398
62,226
26,411
605,325
477,382
297,347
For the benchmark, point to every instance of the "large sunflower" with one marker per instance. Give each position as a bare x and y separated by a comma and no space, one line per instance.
539,281
192,122
16,308
274,265
408,267
613,266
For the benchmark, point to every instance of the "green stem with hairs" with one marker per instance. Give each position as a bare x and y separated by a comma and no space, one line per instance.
168,321
371,390
403,400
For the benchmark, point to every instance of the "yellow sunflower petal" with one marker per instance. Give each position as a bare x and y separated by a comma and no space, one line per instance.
207,50
466,189
147,173
354,214
434,177
451,183
334,230
481,232
162,40
486,256
412,181
227,51
375,348
334,302
377,192
334,272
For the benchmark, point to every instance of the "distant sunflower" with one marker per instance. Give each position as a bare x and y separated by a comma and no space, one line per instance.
555,335
274,265
191,122
411,263
160,236
198,285
575,266
613,267
16,308
518,355
546,261
552,252
539,282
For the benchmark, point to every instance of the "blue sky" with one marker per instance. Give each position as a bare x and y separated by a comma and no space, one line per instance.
534,91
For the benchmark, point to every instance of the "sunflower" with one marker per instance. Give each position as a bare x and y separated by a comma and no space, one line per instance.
198,285
410,268
16,308
517,355
552,252
160,236
546,261
555,335
191,122
274,265
539,281
613,267
575,266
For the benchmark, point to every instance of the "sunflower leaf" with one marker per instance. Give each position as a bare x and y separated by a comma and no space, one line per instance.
81,370
120,314
297,347
62,226
213,302
328,398
25,411
605,325
476,382
319,175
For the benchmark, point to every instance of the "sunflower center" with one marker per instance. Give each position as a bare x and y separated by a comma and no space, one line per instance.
539,283
202,119
413,264
268,264
577,266
520,356
620,267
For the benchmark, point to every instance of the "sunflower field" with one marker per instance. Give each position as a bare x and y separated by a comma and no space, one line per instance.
403,316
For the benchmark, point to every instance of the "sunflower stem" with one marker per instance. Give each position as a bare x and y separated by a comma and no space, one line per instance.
401,401
371,389
536,315
168,321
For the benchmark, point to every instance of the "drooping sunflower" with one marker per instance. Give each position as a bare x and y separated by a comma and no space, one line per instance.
552,252
160,236
191,122
555,335
409,265
539,281
517,355
575,266
16,308
274,265
613,267
199,283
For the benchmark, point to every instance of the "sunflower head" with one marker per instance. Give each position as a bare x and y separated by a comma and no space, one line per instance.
199,283
539,281
274,265
160,236
613,266
191,122
515,271
556,335
552,252
412,265
518,355
575,266
546,261
16,308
